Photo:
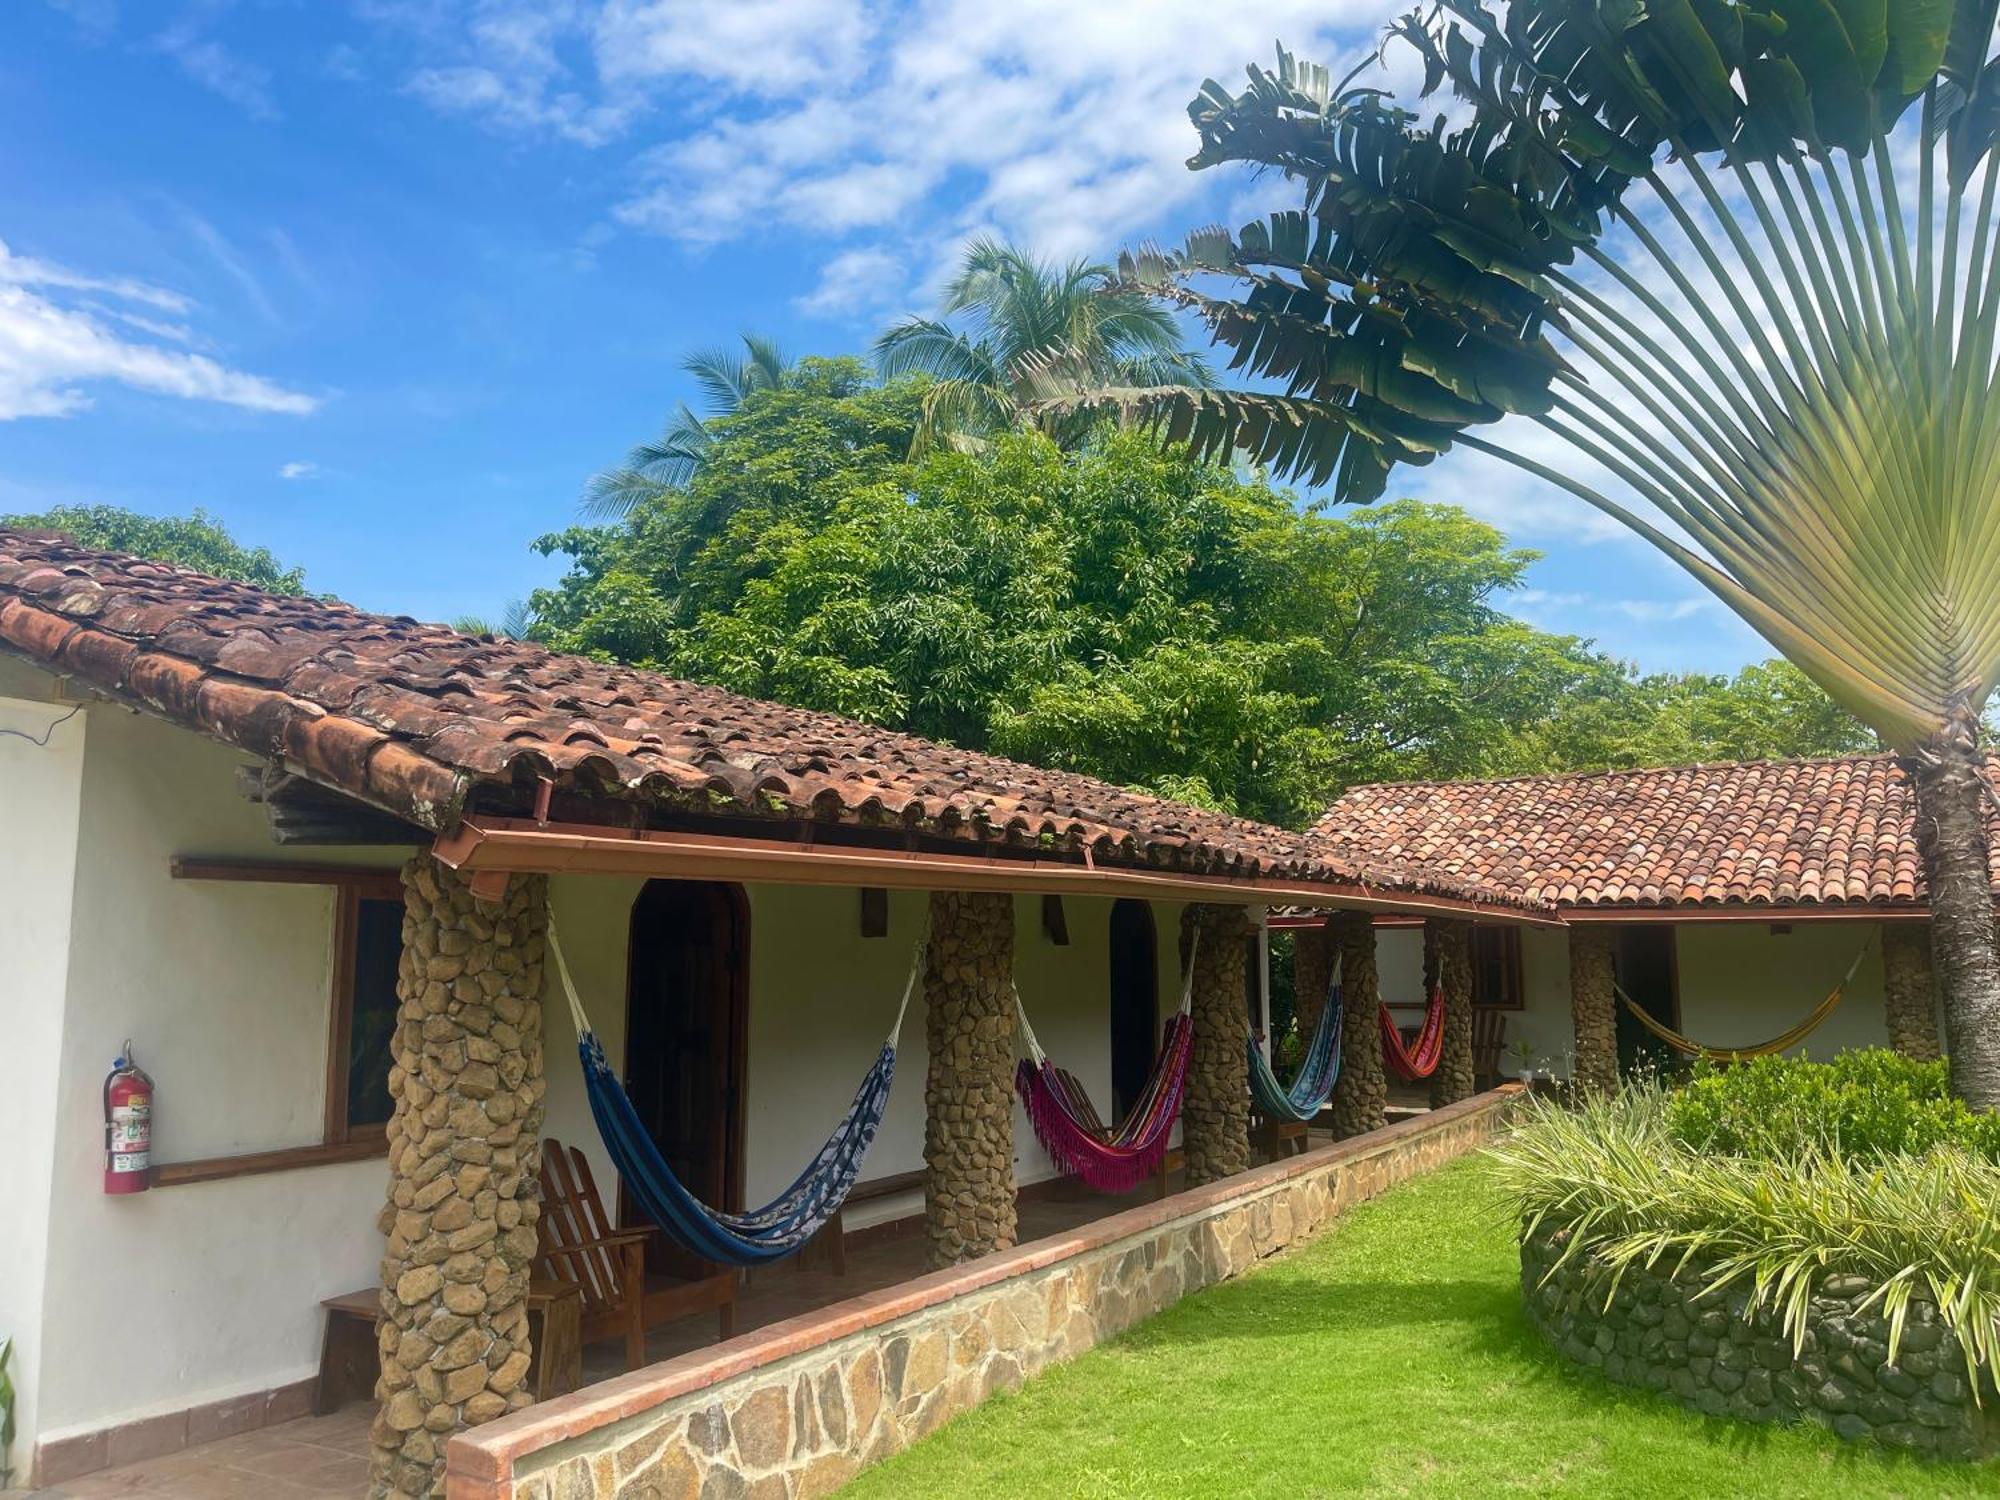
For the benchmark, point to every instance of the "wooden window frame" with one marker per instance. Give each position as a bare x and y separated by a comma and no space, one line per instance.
348,896
339,1142
1510,938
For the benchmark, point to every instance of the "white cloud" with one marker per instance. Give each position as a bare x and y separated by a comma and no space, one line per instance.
52,348
852,282
299,468
1062,125
216,68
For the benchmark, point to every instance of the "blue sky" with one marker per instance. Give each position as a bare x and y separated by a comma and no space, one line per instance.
381,282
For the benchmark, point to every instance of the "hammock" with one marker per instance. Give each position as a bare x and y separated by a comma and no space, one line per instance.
1117,1160
788,1220
1419,1060
1783,1041
1320,1071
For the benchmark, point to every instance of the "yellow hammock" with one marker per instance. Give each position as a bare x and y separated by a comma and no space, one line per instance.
1784,1040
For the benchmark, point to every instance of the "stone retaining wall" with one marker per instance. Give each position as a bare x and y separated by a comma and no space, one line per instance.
796,1409
1710,1352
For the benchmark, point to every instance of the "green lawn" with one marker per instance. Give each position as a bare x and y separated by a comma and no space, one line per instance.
1387,1358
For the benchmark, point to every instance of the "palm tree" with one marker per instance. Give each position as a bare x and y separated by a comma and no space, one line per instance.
1014,308
727,379
1741,259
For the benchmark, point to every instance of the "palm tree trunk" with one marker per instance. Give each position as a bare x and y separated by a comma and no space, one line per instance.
1951,833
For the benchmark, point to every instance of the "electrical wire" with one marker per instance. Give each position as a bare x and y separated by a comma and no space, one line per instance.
43,742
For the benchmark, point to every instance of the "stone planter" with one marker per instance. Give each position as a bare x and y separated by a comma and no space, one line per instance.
1710,1352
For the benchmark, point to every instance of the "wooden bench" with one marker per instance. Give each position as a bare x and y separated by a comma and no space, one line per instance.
1277,1138
350,1361
608,1266
832,1237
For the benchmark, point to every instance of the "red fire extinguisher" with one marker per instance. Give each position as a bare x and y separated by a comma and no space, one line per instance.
128,1126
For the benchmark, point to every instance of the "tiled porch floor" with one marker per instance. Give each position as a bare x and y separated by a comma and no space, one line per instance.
326,1458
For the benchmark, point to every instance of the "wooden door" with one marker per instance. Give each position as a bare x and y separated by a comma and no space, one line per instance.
1646,970
685,1032
1135,1003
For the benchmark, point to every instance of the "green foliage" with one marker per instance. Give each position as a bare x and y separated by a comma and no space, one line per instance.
1002,313
1117,610
1615,1173
727,379
1768,711
195,541
6,1414
1863,1104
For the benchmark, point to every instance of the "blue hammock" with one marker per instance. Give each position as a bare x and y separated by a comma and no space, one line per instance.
788,1220
1317,1074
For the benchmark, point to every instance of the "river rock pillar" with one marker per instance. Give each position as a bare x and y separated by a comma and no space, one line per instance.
969,1090
1451,941
1362,1094
1909,990
1312,972
464,1158
1593,1007
1215,1111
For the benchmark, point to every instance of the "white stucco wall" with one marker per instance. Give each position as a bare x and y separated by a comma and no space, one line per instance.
186,1294
39,792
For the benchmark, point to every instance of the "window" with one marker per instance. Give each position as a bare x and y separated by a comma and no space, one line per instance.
1496,967
368,938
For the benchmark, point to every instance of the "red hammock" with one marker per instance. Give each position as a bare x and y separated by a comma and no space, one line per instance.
1112,1160
1109,1161
1418,1061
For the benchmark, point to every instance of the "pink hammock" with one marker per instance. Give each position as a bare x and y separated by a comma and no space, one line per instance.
1107,1160
1419,1060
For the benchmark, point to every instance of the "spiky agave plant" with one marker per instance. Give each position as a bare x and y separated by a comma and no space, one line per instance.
1739,256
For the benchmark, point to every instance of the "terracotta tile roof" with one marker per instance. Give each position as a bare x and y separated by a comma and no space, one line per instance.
426,722
1758,833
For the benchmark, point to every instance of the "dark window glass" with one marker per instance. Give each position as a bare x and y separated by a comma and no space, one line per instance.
1496,967
378,946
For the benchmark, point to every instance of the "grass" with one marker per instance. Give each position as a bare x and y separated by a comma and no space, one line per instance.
1387,1358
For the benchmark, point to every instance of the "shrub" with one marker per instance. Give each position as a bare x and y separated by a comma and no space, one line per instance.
1630,1191
1862,1105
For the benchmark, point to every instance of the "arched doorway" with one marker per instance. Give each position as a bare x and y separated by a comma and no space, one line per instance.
686,1013
1135,1002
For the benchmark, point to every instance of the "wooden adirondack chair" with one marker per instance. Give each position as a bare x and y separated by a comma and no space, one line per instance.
579,1246
1489,1035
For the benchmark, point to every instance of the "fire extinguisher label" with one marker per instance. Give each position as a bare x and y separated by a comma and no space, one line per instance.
131,1134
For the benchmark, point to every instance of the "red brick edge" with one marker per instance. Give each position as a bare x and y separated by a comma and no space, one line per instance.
480,1462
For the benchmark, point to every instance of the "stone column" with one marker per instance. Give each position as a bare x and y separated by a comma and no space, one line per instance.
1215,1113
1593,1008
1312,971
1451,941
464,1154
1909,989
1363,1090
969,1091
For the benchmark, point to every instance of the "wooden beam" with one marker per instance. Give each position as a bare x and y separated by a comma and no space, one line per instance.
488,847
874,911
276,872
255,1163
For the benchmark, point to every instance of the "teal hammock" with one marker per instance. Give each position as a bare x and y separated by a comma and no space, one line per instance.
1318,1074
